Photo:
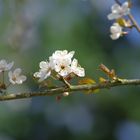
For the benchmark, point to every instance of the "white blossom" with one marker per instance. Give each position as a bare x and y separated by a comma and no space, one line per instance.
119,11
15,77
76,69
4,66
44,72
60,56
116,31
60,61
63,67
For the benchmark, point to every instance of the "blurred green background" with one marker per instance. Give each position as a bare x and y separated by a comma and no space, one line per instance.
30,31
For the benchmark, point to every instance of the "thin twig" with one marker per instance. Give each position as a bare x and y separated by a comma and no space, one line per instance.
65,82
72,89
131,17
135,24
117,1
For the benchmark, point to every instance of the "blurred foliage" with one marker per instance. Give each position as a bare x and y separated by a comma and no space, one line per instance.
30,31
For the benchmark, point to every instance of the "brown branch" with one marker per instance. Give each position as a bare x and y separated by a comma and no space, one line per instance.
131,17
73,88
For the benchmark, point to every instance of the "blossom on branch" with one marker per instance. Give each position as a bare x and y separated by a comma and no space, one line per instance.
15,77
116,31
119,11
60,64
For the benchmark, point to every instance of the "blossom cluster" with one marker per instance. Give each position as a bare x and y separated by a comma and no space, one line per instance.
60,64
15,76
118,12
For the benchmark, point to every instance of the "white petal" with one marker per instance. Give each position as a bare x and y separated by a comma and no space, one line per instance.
11,81
125,5
65,62
10,74
80,72
9,66
71,54
125,8
47,74
3,62
115,8
43,65
17,71
65,72
74,63
3,65
57,68
116,28
65,52
113,16
23,78
115,36
36,74
20,79
110,16
42,75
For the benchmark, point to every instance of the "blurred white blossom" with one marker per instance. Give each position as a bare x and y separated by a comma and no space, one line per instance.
119,11
4,66
15,77
116,31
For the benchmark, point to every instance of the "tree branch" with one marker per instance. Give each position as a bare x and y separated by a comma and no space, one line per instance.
117,1
61,90
134,22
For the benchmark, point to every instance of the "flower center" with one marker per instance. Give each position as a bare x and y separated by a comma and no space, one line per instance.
62,67
14,78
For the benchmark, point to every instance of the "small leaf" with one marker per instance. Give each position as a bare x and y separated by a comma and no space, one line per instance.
88,81
124,23
102,80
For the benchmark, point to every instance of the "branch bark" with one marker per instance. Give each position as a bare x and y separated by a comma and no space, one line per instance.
71,89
